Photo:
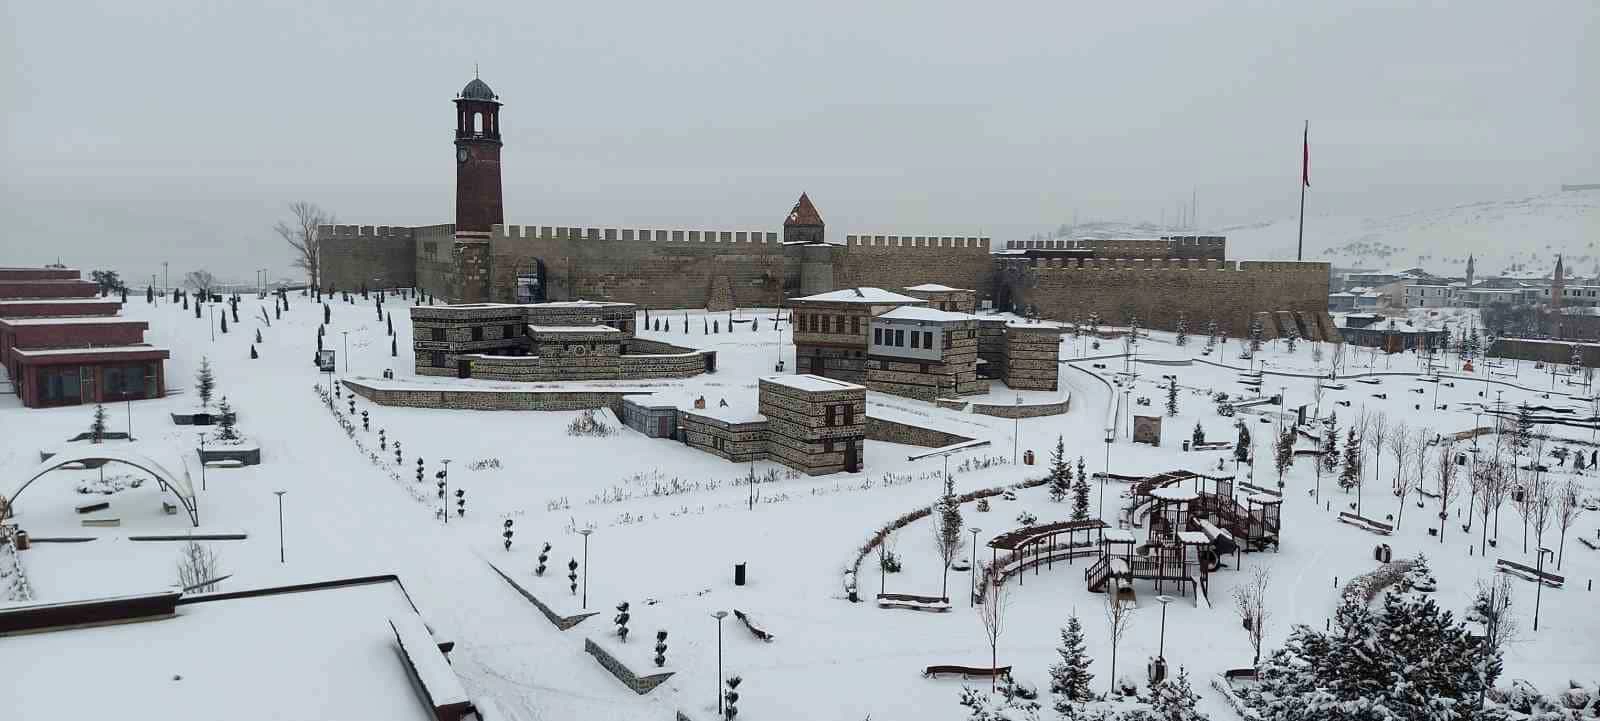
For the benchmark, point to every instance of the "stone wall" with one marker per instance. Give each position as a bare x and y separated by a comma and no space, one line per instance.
493,400
1032,357
899,261
1158,290
814,430
378,257
1549,351
737,442
878,429
1009,410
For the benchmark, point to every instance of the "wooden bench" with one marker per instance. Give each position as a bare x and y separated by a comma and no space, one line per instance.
1362,522
967,671
913,602
92,506
755,630
1585,540
1528,573
446,698
102,522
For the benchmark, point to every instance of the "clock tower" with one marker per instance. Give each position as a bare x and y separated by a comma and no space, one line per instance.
478,202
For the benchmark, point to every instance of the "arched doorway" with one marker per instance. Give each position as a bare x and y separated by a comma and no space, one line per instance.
176,484
529,282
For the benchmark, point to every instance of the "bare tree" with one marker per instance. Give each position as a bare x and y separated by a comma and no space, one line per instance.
1489,483
1492,608
201,281
1447,485
1408,449
1377,437
1120,618
1526,497
1569,506
301,234
992,611
1250,602
1399,445
198,568
1544,502
1316,384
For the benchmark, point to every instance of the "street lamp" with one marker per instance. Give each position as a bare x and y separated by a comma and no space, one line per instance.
719,615
202,460
972,593
585,533
212,308
1016,428
280,525
1538,584
1162,644
346,335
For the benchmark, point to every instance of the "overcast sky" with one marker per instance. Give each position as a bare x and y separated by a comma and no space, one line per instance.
137,132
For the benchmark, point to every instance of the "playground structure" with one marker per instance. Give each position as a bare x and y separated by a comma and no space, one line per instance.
1190,530
1040,545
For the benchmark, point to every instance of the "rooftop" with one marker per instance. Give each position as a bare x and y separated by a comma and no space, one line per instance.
936,288
95,350
863,295
323,653
73,320
803,213
30,301
572,329
911,312
814,384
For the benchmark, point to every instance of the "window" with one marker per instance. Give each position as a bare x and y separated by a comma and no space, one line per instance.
915,339
849,414
477,332
438,334
827,445
438,359
899,339
828,420
855,324
838,324
877,336
509,332
927,339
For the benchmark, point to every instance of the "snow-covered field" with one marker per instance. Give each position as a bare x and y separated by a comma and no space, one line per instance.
670,522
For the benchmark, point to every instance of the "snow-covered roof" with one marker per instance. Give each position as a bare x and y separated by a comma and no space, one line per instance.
31,301
96,350
1174,494
1194,538
815,384
1117,535
72,320
243,659
572,329
911,312
863,295
1265,498
936,288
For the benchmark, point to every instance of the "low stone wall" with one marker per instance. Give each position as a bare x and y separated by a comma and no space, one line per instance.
737,442
680,365
640,684
559,621
879,429
493,400
1011,410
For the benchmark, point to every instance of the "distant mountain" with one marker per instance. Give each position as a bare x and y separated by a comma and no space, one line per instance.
1507,236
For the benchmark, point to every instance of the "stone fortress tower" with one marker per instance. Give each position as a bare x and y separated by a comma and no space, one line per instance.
479,258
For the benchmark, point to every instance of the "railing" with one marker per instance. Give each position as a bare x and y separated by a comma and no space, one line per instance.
1095,575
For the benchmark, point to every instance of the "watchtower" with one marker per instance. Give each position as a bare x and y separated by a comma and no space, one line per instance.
804,224
478,201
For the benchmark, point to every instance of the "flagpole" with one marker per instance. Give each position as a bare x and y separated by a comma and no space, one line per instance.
1305,172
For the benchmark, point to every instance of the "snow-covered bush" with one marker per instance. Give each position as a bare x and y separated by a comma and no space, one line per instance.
587,424
1026,518
983,505
544,555
621,620
198,568
661,648
107,485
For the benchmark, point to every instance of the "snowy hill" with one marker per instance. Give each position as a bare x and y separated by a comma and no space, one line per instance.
1517,236
1507,236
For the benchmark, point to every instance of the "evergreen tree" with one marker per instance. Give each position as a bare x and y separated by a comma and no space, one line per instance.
1199,435
1330,444
394,347
258,335
1172,399
1241,447
1080,494
1069,679
1285,452
1175,700
1211,334
149,294
97,427
1291,337
327,314
1060,478
253,354
225,421
204,382
1350,477
390,322
1524,434
224,323
1183,330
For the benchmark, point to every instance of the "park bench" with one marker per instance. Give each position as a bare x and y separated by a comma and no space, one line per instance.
445,696
755,630
1585,540
1368,524
92,506
913,602
966,671
1529,573
102,522
1369,381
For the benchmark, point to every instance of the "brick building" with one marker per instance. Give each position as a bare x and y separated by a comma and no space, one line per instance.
61,345
832,330
924,353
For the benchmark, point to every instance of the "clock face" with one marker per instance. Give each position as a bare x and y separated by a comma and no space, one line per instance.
461,155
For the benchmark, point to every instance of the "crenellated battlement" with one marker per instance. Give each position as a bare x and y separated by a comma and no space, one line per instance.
1163,264
649,235
917,241
1136,247
365,231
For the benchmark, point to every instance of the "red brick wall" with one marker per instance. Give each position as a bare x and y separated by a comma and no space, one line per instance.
38,274
59,336
24,309
46,289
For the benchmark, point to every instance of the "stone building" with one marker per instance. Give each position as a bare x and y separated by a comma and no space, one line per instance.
479,258
924,353
63,346
577,340
943,297
832,330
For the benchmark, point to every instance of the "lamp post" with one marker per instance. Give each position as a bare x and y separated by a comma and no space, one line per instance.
1016,428
129,401
972,592
1105,475
202,460
280,525
1538,584
444,492
719,615
346,335
212,308
585,533
1161,645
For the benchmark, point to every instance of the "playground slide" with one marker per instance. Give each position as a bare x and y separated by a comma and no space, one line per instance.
1199,598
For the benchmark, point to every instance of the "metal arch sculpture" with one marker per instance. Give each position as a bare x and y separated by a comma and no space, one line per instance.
181,487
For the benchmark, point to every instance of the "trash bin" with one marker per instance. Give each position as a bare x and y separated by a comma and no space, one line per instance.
738,574
1027,458
23,543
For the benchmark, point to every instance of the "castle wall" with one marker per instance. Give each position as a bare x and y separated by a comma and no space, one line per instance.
898,261
377,256
1157,290
650,267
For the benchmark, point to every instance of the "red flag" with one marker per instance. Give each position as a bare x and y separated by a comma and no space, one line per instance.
1305,156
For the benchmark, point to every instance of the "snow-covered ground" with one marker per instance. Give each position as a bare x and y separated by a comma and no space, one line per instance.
670,522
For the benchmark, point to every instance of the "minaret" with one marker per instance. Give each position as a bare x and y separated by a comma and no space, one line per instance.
1469,271
478,201
1558,284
